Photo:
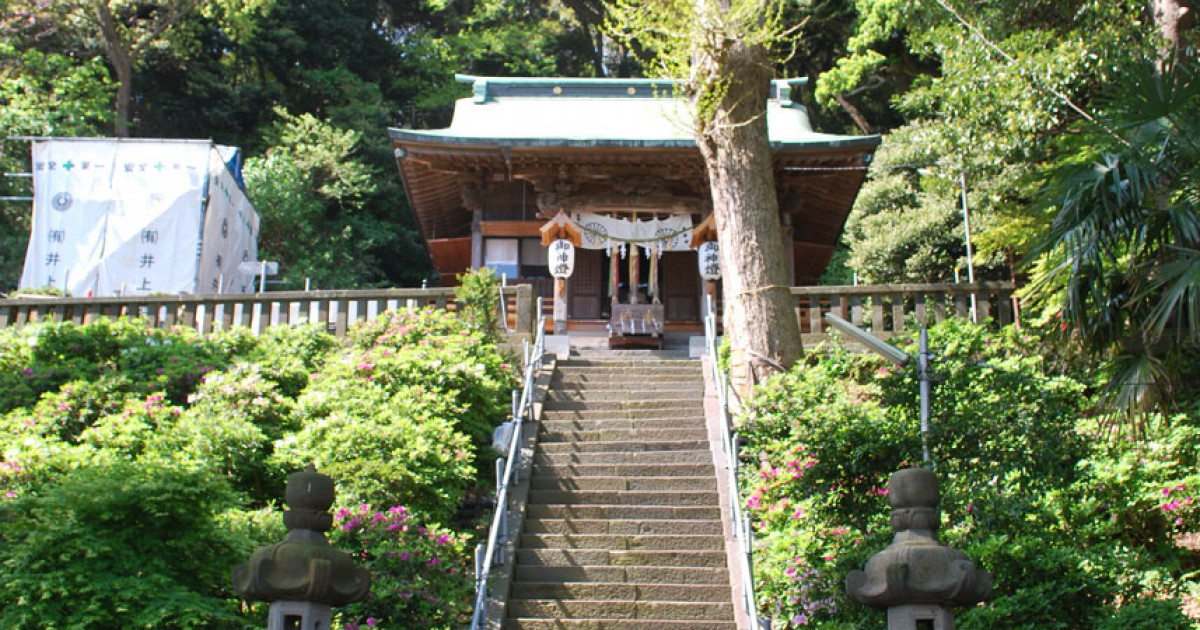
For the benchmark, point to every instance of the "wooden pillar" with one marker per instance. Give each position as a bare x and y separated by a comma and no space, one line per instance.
614,274
789,247
476,239
472,200
634,259
560,306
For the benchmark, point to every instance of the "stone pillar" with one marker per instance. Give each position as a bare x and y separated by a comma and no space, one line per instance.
916,578
560,306
303,577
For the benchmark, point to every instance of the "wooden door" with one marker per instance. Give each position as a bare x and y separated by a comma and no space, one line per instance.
586,286
681,286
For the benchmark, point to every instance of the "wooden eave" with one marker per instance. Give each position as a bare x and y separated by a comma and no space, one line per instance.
816,185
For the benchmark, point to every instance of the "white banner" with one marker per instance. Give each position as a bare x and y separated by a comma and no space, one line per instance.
125,215
673,234
230,234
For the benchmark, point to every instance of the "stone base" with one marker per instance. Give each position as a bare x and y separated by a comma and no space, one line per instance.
292,615
920,617
697,346
559,346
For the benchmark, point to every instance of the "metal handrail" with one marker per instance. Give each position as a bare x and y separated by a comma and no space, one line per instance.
506,472
729,444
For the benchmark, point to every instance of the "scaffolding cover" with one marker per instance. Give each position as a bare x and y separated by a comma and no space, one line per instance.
136,217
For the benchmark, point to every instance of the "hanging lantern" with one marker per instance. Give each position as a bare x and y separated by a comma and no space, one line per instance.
709,257
561,258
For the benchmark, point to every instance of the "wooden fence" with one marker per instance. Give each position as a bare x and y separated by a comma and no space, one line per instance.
337,310
892,308
883,309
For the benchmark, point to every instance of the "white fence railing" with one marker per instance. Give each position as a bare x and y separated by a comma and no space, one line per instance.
335,310
729,444
489,555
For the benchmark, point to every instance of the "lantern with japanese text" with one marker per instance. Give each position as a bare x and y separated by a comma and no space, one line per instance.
561,258
709,257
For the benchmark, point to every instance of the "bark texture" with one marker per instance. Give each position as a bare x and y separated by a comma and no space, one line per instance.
759,318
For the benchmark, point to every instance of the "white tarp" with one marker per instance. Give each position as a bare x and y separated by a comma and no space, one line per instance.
126,215
673,234
230,233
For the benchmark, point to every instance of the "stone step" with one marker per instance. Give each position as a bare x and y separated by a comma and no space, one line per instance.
620,542
698,432
624,446
589,394
615,624
676,406
616,378
605,497
623,574
600,424
647,363
554,415
559,458
626,512
630,527
621,591
618,609
614,557
618,484
568,471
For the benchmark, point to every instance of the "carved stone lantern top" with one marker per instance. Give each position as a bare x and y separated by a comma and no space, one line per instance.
915,568
303,567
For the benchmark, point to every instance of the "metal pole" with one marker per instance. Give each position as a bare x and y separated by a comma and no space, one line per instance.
962,180
924,377
262,277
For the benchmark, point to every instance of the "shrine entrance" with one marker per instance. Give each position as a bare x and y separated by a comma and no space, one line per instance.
679,284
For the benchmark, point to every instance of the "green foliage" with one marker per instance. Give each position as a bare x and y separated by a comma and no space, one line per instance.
406,413
478,297
379,445
1121,258
401,413
988,96
421,575
690,42
119,546
311,187
1077,530
287,355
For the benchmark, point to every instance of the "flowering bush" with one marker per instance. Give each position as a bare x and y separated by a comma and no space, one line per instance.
398,414
1076,528
421,574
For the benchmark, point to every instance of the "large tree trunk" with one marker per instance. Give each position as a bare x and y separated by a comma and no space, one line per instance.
122,62
1171,17
759,318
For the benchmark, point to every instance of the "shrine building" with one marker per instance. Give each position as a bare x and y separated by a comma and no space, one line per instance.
611,165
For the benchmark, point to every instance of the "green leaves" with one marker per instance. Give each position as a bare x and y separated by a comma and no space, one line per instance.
1121,250
1077,529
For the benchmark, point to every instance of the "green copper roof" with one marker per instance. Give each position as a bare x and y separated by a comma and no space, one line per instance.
603,113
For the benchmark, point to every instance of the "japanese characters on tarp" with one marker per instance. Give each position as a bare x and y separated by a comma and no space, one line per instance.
709,258
561,258
138,216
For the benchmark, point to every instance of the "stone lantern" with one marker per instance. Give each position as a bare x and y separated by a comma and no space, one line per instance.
303,576
916,578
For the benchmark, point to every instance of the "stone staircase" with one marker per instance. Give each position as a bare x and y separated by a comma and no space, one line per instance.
622,527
